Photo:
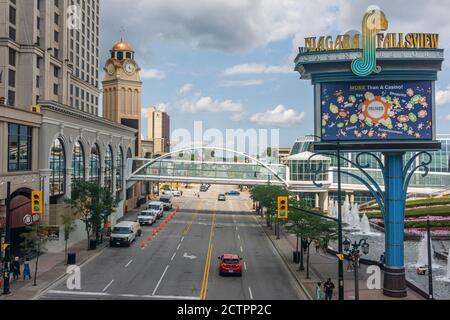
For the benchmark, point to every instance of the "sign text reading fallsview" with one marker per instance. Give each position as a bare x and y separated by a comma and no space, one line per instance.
384,41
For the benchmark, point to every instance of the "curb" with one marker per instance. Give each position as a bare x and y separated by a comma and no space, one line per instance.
61,277
294,275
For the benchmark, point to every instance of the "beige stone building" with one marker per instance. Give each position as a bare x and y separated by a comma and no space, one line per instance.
159,130
50,131
49,51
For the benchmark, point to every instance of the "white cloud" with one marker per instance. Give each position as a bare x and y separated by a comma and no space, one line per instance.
254,68
152,74
241,83
443,96
185,89
208,104
280,116
238,117
213,23
447,118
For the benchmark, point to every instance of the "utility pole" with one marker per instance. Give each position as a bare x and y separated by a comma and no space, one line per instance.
340,262
7,265
430,267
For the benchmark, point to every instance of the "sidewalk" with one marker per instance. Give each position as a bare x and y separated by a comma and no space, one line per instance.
323,266
51,268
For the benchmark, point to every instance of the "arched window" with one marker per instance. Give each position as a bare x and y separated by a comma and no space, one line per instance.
119,169
95,164
58,168
108,168
78,162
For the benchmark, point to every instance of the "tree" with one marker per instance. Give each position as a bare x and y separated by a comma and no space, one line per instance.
34,240
93,204
310,228
69,226
269,152
267,197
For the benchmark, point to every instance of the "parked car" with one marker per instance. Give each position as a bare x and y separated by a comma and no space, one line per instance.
124,233
233,193
221,197
176,193
167,201
147,217
230,264
158,207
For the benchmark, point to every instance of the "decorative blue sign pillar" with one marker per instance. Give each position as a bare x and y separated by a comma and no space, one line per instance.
374,97
394,274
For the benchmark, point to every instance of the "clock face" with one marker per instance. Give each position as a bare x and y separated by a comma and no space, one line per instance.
129,67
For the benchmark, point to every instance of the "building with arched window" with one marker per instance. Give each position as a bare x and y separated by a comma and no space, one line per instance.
78,166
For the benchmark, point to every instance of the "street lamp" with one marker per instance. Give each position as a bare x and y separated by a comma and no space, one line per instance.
339,220
354,255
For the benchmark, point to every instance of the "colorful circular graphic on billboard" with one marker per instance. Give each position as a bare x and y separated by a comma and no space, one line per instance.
376,109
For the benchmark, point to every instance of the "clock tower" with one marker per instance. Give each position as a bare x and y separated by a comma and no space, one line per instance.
122,90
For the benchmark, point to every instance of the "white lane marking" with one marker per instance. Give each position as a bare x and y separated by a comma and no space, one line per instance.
83,293
106,288
236,228
250,291
182,239
245,266
179,245
242,249
171,259
159,282
129,262
239,237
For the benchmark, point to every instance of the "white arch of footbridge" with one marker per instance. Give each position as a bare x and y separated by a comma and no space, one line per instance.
167,169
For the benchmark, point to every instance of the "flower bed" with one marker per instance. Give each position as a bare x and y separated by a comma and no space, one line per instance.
423,231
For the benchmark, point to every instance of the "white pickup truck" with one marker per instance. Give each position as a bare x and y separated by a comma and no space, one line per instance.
147,217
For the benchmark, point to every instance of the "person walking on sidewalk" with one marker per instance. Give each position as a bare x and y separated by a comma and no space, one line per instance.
26,269
319,291
317,245
16,268
329,287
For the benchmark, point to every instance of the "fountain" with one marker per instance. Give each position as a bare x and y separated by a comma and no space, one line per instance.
448,265
365,225
422,259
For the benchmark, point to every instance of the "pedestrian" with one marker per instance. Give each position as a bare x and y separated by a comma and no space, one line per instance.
350,264
16,268
319,291
198,195
329,287
26,269
317,245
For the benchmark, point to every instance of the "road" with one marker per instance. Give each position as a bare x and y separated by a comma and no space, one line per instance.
181,262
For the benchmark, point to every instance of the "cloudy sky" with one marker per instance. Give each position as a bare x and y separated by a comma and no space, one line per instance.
230,62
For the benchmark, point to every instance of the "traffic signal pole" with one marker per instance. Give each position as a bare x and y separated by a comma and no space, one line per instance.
7,264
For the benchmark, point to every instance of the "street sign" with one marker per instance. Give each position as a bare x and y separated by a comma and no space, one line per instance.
4,246
282,207
28,219
36,202
340,256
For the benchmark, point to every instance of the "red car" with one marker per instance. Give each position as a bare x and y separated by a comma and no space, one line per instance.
230,264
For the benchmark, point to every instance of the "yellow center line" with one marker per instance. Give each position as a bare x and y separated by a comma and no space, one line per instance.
188,227
204,288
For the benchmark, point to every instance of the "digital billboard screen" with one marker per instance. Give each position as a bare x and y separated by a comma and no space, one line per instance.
377,110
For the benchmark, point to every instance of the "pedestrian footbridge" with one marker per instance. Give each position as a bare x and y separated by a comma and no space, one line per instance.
206,165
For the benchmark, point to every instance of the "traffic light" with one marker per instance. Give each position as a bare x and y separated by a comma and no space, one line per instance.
36,202
282,207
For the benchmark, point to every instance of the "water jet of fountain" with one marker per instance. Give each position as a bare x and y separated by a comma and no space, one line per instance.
448,265
422,259
365,225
